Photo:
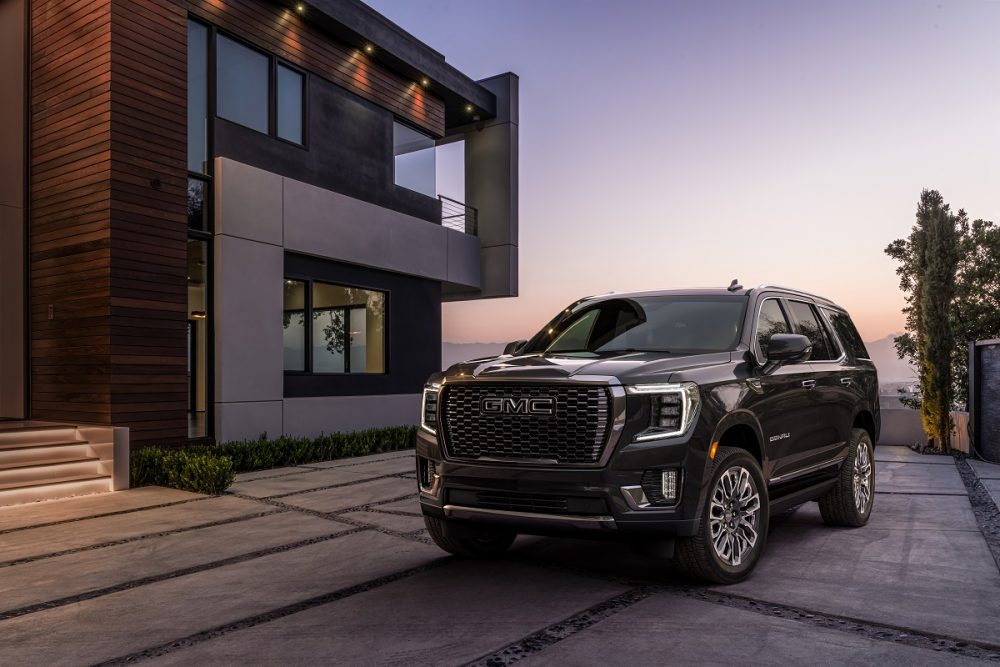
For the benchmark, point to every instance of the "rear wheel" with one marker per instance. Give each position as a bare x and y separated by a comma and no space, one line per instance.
733,527
468,540
850,502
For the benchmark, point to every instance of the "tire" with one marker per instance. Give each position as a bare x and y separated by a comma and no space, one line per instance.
850,503
734,558
469,540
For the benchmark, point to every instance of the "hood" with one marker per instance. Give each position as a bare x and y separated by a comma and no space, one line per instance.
630,367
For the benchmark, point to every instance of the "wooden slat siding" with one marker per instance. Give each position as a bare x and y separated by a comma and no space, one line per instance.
276,29
70,244
148,300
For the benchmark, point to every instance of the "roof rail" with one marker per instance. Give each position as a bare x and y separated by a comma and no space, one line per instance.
794,291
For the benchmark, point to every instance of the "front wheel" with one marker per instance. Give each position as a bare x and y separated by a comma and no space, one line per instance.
468,540
850,502
733,527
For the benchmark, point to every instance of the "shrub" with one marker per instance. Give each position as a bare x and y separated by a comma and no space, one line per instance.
187,469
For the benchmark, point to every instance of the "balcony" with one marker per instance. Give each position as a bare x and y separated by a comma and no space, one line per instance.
459,216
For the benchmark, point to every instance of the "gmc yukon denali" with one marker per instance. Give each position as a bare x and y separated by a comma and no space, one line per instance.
679,421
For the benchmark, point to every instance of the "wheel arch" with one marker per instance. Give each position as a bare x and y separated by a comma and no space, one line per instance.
741,429
864,419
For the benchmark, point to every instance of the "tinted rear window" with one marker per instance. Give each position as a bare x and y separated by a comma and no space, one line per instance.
848,333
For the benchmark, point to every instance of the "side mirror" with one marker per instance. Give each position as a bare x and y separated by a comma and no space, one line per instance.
788,348
512,348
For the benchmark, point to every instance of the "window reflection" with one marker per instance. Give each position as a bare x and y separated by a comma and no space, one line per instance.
348,329
294,325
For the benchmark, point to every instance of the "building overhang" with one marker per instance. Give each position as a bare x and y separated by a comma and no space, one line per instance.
392,47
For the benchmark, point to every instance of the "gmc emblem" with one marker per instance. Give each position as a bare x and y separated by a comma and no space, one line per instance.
496,405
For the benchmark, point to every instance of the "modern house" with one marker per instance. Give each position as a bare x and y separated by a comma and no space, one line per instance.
220,217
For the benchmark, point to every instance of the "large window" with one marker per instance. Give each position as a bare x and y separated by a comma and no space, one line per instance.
241,84
197,96
289,104
333,328
246,79
414,160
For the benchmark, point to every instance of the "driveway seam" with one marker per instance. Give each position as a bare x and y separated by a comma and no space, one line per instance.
327,487
552,634
136,538
313,468
104,514
271,615
173,574
413,536
983,507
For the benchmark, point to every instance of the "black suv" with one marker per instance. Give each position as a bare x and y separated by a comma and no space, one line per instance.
682,419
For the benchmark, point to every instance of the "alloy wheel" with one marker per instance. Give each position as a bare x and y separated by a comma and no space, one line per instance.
862,477
734,516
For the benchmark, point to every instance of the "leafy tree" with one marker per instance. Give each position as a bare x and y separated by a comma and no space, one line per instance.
928,269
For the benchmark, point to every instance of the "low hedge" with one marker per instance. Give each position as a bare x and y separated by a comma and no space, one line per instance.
200,472
211,468
263,453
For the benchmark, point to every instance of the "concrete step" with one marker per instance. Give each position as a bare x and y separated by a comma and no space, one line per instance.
15,456
42,470
60,487
34,433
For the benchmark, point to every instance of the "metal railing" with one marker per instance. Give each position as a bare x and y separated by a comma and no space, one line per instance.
457,215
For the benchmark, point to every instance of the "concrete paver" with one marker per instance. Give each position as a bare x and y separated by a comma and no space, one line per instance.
443,617
993,486
361,460
332,500
129,621
35,542
895,453
78,573
899,477
985,470
315,479
403,524
67,509
270,472
666,629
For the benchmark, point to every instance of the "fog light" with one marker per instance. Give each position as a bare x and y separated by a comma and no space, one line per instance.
428,476
669,485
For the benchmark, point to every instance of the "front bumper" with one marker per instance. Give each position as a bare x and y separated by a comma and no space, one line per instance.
561,500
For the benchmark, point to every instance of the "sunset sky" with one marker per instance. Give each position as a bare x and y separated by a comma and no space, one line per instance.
678,144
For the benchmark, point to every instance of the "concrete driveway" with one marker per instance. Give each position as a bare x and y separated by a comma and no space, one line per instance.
329,563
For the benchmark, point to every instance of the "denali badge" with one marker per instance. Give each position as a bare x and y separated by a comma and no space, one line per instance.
496,405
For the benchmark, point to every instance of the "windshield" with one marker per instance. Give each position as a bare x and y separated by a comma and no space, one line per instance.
680,324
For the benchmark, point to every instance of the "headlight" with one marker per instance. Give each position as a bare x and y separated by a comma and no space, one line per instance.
429,408
672,407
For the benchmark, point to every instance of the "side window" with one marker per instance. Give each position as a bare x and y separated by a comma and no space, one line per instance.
809,324
848,333
772,320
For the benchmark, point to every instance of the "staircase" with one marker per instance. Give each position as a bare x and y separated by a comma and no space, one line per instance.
43,461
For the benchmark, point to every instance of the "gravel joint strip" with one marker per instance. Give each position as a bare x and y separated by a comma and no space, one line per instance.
152,579
986,512
138,538
272,615
546,637
104,514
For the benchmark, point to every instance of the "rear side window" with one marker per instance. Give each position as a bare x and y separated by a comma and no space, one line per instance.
809,324
772,320
848,333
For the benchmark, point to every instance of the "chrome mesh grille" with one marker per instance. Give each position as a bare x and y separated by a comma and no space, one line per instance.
575,432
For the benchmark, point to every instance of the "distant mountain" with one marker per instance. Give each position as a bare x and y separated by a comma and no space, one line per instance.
883,353
890,367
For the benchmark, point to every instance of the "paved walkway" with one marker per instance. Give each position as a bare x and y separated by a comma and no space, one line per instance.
329,563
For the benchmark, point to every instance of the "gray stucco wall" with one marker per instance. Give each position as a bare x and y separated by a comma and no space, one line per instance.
258,216
989,401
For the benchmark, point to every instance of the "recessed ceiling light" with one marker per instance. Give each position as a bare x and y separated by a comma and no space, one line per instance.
425,82
300,8
469,108
369,48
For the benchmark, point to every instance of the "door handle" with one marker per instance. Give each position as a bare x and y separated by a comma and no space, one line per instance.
845,381
809,384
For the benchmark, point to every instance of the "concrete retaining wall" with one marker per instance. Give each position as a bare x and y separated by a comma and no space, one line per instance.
901,426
